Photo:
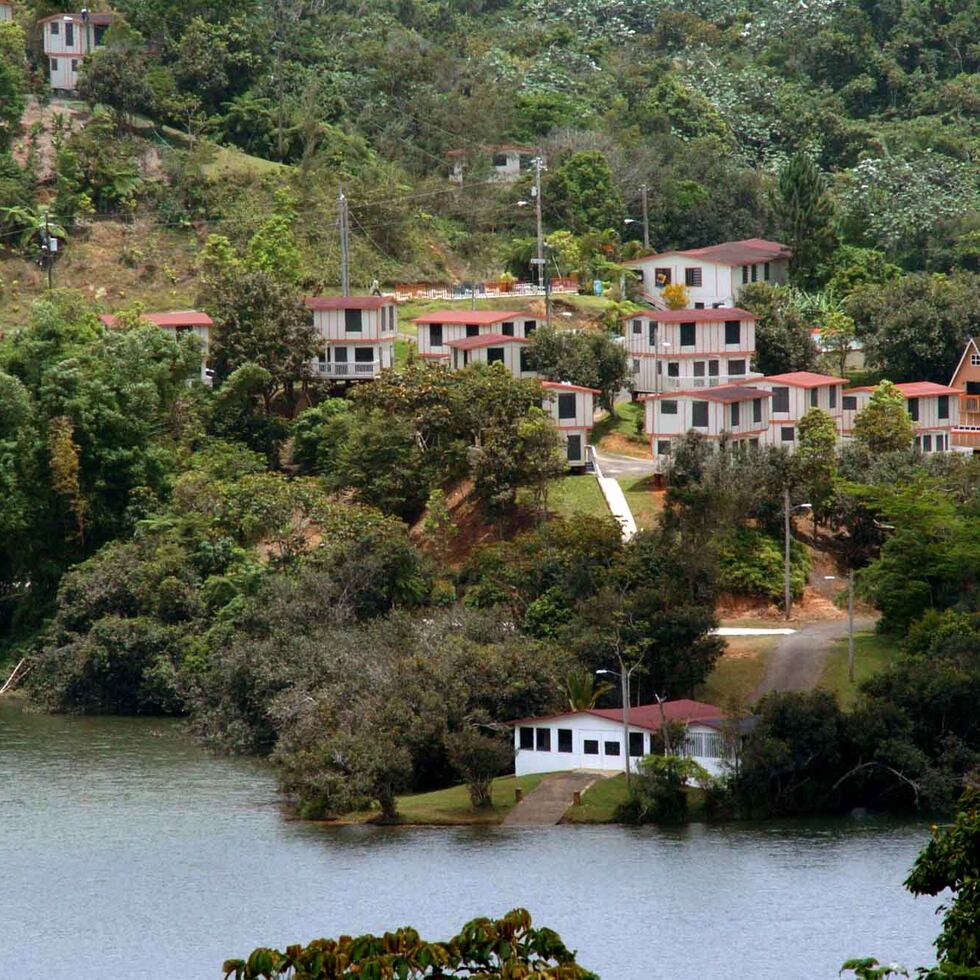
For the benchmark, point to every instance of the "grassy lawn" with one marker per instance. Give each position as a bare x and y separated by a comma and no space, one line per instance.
872,652
578,494
229,160
452,806
739,670
401,352
618,431
645,503
599,802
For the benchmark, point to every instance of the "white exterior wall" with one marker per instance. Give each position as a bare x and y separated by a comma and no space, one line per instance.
580,425
719,283
377,335
64,59
524,326
6,11
659,426
799,404
709,354
512,358
928,427
375,324
585,727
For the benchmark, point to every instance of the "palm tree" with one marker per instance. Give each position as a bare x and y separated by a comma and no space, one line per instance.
583,690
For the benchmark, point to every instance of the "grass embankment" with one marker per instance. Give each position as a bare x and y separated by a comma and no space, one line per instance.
739,671
872,653
450,807
646,503
601,801
576,495
616,432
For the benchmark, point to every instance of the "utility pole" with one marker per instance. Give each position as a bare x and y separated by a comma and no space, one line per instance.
850,624
537,208
343,226
48,255
646,217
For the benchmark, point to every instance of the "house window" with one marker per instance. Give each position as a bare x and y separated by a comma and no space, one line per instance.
526,738
755,273
814,397
636,365
529,327
687,335
69,34
712,369
435,335
699,306
736,367
699,369
975,360
340,354
507,329
914,409
500,160
745,274
699,415
668,407
652,333
765,272
636,744
757,410
661,277
566,406
850,403
591,746
364,355
610,748
542,739
74,64
673,369
927,444
352,321
637,326
525,359
733,332
832,395
100,32
787,433
736,413
942,403
663,447
564,740
653,743
573,449
54,65
55,28
495,355
780,399
692,277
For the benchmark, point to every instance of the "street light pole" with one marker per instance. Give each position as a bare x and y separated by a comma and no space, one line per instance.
646,217
850,624
787,513
538,163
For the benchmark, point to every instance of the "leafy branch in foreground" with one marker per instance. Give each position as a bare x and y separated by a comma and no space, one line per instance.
490,949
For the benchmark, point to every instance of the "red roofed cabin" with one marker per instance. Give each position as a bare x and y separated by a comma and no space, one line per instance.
573,409
966,378
593,738
933,408
793,395
67,39
358,334
675,350
492,348
713,275
437,330
178,323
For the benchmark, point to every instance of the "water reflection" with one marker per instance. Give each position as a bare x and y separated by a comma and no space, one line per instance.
127,850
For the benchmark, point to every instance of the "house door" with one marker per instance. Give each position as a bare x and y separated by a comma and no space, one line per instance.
574,448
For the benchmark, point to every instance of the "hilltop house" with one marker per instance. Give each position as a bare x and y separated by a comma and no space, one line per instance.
713,275
933,408
573,409
67,39
358,334
673,350
593,738
507,162
793,395
966,379
437,330
738,412
179,323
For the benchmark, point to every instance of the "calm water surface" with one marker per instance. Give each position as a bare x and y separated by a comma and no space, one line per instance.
126,852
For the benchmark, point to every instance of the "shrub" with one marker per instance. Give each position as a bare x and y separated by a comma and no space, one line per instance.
751,562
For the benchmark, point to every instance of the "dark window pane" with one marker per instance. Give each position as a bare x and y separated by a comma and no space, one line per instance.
525,359
542,739
787,433
736,367
668,407
636,743
736,413
564,740
472,330
943,403
529,327
687,335
637,326
733,332
573,449
833,396
352,321
757,410
913,404
663,447
662,277
507,329
527,738
610,748
495,354
850,403
699,415
814,397
591,746
435,335
692,277
780,399
566,406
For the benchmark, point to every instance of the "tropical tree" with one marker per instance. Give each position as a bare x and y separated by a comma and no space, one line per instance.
837,335
815,459
581,194
884,425
783,337
584,689
805,211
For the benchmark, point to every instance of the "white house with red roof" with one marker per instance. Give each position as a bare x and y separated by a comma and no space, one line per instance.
506,161
593,738
67,39
713,275
491,348
436,330
358,334
181,323
673,350
793,395
572,408
739,413
933,408
966,379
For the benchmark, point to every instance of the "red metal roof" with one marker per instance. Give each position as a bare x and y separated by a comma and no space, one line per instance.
485,340
646,715
803,379
178,318
744,252
471,318
346,302
726,394
914,389
718,315
99,18
566,386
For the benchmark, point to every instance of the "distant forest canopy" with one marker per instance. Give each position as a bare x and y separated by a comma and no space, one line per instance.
704,102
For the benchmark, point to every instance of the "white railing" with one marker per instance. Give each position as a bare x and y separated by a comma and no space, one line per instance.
712,381
350,369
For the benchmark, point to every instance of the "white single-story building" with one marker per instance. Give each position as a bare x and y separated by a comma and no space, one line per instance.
593,738
572,408
180,323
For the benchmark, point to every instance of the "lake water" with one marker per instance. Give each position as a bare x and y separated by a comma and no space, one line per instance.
126,852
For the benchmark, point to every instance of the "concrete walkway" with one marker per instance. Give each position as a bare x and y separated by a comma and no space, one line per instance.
798,661
546,804
614,496
628,466
752,631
